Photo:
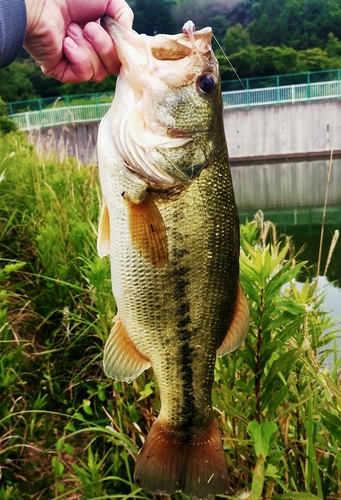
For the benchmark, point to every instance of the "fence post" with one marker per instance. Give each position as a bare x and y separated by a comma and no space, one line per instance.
98,111
308,83
247,92
40,110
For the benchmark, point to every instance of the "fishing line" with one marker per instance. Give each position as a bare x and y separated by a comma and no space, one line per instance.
276,140
228,60
286,159
252,101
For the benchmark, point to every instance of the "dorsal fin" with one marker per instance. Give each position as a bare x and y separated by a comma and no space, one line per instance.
103,238
239,326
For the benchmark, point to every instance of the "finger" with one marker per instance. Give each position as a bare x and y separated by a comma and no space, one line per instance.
104,46
74,68
121,12
76,65
98,70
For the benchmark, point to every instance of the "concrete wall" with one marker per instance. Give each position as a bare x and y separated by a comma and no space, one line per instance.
78,141
286,184
300,129
279,154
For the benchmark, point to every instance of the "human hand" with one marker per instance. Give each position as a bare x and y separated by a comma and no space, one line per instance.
65,38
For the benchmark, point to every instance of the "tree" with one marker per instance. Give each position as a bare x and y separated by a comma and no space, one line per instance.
106,85
244,62
300,24
44,86
333,47
6,125
219,25
256,61
235,39
153,16
15,84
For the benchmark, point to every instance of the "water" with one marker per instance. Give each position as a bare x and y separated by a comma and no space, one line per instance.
330,284
281,203
307,236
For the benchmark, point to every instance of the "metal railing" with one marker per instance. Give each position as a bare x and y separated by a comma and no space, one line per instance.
308,219
235,99
258,82
60,116
282,95
60,101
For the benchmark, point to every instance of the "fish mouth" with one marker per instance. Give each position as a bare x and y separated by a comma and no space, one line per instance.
154,134
140,53
163,47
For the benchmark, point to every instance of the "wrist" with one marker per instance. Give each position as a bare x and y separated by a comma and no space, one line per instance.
34,10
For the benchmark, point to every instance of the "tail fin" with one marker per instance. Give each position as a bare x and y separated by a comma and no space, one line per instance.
166,464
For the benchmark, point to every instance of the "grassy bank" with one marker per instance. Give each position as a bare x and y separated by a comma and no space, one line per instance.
66,431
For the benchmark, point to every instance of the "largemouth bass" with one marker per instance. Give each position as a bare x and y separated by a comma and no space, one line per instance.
170,225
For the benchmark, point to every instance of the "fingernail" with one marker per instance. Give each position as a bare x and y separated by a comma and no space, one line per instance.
73,29
71,43
93,32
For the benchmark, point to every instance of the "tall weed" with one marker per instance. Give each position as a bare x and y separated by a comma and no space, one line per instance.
273,393
66,431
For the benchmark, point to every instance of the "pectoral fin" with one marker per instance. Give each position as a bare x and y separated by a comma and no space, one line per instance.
122,361
148,231
239,326
103,239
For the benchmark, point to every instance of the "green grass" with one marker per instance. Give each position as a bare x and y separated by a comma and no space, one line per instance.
68,432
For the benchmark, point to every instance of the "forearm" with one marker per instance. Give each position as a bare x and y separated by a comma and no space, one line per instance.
12,29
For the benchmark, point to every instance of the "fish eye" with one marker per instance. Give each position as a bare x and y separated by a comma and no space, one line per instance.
207,83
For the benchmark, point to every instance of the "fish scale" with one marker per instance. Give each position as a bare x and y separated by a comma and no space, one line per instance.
173,241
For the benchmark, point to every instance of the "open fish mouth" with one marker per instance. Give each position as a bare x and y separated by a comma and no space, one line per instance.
160,80
174,60
163,47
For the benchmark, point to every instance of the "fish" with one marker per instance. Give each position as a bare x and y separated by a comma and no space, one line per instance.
169,223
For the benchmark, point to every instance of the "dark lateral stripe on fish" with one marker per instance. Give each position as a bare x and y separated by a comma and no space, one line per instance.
187,409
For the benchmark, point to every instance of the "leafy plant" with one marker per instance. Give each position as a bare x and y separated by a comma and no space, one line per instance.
69,432
275,381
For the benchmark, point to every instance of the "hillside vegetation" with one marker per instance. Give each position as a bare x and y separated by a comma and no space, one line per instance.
260,38
68,432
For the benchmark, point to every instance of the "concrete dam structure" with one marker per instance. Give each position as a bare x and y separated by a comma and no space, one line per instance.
279,154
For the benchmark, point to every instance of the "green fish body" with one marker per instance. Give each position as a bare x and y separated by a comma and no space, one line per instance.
170,225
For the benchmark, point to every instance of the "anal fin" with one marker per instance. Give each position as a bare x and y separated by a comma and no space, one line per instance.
239,326
122,361
103,239
148,231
